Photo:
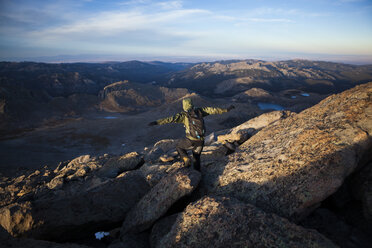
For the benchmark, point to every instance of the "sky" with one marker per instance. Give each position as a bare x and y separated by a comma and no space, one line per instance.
189,31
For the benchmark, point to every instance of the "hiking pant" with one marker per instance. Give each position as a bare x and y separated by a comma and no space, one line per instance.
195,145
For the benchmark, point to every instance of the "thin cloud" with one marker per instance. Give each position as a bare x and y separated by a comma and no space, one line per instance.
171,5
226,18
237,20
115,23
39,15
266,11
272,11
270,20
135,2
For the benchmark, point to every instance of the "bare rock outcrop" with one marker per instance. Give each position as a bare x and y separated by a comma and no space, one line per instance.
24,186
69,178
118,164
292,165
55,214
76,169
159,199
227,222
33,184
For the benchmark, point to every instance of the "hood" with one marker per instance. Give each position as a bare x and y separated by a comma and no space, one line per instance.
187,104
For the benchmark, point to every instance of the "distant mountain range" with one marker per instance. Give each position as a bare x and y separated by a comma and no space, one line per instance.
232,77
90,78
217,78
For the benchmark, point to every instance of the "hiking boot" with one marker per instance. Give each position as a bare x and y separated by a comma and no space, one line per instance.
230,146
186,161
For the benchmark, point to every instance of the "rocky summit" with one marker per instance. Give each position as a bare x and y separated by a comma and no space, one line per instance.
282,179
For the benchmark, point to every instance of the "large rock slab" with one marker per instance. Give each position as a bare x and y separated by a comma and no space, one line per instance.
225,222
292,165
160,198
57,216
224,142
242,132
252,126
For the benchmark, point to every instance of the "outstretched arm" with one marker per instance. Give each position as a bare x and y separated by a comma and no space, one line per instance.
214,111
177,118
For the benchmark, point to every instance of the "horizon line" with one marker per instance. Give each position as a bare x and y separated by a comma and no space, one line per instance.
89,58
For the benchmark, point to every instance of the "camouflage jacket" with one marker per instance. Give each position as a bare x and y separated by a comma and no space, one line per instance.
182,118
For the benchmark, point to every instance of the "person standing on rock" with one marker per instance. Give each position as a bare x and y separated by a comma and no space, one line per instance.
192,118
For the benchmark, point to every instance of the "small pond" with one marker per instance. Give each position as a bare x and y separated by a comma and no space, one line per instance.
265,106
110,117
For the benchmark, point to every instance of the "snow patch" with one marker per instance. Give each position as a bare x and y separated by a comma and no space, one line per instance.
101,235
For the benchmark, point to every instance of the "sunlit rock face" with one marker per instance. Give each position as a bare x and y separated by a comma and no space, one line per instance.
291,166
